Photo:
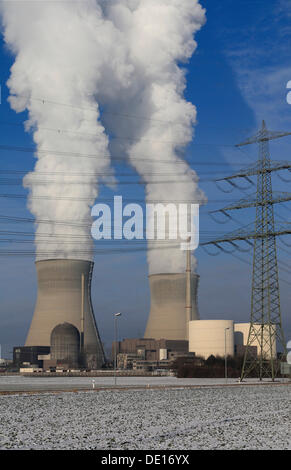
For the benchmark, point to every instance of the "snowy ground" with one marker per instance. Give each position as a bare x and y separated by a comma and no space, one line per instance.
252,417
21,383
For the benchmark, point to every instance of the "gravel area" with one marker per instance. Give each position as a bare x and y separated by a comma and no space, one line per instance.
252,417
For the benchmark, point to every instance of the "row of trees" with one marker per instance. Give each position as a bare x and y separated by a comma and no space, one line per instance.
211,367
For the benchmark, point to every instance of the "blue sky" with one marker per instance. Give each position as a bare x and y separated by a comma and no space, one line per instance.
236,78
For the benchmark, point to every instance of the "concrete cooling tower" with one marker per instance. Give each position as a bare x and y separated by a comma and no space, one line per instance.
64,301
168,313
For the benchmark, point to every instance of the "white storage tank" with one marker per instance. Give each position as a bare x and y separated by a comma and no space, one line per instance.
241,333
211,337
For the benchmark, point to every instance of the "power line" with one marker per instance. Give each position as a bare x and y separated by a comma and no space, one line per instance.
64,236
86,252
101,112
148,201
136,139
236,129
95,109
265,300
250,264
100,173
124,158
38,182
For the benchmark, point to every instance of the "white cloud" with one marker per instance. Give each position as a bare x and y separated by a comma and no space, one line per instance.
261,63
265,92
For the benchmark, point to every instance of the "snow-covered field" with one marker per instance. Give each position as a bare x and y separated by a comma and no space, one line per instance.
22,383
242,417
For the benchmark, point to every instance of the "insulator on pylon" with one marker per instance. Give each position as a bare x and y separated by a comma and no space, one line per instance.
244,188
224,190
285,180
233,244
220,221
241,250
285,243
229,252
209,253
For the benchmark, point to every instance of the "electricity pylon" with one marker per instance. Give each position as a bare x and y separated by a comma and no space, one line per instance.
266,323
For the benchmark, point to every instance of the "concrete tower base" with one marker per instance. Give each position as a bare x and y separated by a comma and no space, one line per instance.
168,316
64,295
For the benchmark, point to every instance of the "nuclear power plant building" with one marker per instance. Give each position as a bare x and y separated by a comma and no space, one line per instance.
63,318
168,316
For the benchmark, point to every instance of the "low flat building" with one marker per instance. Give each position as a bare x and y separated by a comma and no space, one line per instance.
125,360
148,353
150,365
29,355
149,349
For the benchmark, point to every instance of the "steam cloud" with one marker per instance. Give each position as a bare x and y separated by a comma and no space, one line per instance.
159,35
124,55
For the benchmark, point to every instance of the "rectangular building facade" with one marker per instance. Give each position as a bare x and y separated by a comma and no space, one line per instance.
28,355
147,349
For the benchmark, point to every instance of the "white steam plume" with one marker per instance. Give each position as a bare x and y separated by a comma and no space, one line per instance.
159,37
127,55
60,50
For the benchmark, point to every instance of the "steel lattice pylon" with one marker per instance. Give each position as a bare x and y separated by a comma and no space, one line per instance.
265,324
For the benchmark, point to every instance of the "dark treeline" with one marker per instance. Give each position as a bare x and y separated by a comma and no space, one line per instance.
211,367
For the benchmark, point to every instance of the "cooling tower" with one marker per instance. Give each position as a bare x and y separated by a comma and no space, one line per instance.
64,296
168,314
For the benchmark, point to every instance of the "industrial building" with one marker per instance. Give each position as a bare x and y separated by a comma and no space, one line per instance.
29,355
220,337
63,332
148,353
206,338
241,333
174,316
174,328
63,322
168,313
223,337
211,337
